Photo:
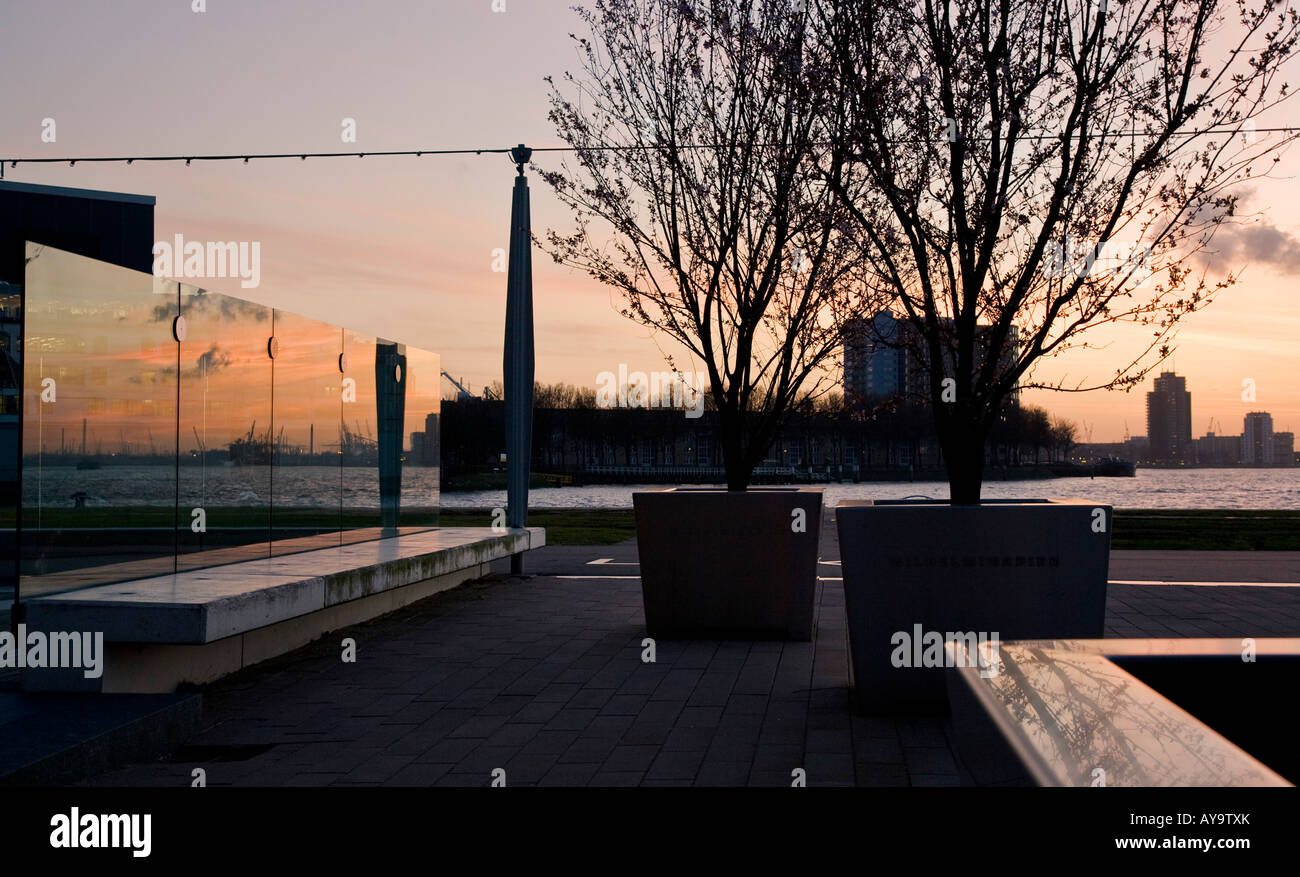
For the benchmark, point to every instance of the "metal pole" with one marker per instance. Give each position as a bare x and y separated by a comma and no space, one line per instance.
518,372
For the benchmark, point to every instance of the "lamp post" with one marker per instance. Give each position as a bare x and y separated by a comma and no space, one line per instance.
518,372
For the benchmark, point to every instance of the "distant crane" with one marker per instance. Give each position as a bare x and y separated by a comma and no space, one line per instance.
461,393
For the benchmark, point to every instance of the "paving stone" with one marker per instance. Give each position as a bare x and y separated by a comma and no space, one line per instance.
569,775
675,765
690,739
571,720
479,726
449,750
929,760
513,734
418,774
624,705
617,779
589,750
824,769
626,757
722,773
543,676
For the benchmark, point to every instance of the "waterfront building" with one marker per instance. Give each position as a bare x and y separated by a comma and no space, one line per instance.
1218,450
1284,449
885,358
1169,420
1257,439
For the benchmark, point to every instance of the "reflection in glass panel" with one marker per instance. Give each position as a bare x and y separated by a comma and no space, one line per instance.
421,470
142,455
10,435
225,429
390,465
305,483
99,433
359,442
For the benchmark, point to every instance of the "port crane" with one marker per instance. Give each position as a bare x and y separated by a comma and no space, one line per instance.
461,393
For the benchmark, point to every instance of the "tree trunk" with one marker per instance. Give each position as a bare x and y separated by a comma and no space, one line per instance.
963,456
731,427
738,474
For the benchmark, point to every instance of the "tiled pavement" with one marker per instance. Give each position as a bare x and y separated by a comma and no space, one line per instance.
543,677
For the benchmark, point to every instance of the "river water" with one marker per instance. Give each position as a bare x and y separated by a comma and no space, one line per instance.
1149,489
307,486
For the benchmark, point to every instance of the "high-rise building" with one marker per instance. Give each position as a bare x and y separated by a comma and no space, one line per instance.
875,363
856,353
883,359
1257,439
1169,419
1283,449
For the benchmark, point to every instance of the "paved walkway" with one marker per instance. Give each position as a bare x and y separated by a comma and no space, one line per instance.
542,677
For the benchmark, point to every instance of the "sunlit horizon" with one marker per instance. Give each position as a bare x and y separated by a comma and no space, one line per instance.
404,248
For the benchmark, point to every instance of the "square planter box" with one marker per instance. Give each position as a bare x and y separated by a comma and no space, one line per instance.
1010,569
729,564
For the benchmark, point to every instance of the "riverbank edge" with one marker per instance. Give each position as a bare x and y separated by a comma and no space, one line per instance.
1134,529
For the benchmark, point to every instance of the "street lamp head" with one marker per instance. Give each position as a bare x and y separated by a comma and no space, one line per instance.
520,155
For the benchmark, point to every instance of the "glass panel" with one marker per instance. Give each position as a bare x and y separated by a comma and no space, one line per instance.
225,430
10,432
420,468
142,455
99,432
305,485
359,443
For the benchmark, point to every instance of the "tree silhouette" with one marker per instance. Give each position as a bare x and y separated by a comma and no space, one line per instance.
707,143
1011,145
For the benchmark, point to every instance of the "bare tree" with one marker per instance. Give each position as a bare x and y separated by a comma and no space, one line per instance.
1011,145
706,148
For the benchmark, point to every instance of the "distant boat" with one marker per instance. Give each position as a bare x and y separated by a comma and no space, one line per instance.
1111,466
1106,467
87,463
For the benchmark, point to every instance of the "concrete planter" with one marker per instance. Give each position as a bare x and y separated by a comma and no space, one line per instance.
1004,570
730,564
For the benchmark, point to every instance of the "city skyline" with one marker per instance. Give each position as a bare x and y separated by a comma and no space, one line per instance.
409,247
1173,439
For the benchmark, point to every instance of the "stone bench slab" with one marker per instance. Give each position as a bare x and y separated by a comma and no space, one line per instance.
202,606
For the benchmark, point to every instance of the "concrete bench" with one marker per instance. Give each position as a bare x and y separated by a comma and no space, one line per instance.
196,626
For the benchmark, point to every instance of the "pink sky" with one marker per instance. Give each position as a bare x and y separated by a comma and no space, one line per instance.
402,247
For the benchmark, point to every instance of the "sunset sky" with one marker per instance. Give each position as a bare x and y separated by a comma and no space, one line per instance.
403,247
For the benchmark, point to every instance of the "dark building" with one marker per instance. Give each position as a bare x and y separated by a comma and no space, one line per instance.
1257,439
1169,420
883,358
430,451
1284,449
109,226
875,364
1218,450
